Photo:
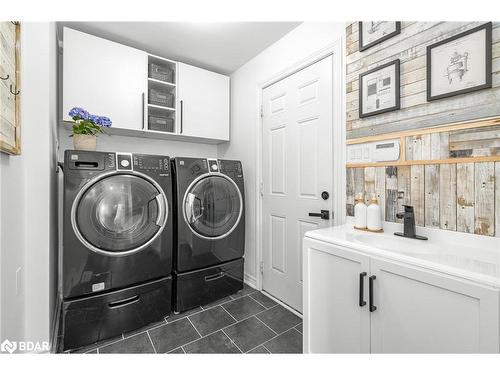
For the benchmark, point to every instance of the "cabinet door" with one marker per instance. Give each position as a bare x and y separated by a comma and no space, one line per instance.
105,78
420,311
334,321
203,103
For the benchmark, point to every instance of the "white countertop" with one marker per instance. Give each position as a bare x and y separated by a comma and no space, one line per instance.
473,257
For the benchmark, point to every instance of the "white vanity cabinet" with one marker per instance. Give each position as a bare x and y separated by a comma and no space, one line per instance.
203,103
105,78
414,309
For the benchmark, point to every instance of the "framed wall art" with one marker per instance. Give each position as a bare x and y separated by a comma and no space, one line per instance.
10,124
379,90
459,64
375,32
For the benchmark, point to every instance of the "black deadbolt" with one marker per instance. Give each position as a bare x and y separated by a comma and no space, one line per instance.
325,195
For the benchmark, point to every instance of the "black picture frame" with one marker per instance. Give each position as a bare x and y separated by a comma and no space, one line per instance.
397,100
380,40
488,63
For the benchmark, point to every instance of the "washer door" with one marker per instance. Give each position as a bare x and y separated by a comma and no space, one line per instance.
119,214
212,206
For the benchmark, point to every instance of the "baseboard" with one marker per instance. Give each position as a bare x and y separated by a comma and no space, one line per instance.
250,280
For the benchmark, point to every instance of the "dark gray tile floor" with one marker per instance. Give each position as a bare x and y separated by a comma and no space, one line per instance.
246,322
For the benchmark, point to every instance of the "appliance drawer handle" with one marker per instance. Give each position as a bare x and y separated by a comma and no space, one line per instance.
123,302
214,277
161,211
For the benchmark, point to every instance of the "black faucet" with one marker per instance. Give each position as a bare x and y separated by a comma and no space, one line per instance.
409,224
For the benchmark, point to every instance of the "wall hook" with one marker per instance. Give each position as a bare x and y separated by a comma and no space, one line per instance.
6,78
12,92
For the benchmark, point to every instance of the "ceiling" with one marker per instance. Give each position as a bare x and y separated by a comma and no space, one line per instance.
218,46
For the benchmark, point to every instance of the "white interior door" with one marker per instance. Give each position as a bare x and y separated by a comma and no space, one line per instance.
297,168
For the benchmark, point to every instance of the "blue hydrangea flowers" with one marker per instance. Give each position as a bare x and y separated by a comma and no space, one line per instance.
78,113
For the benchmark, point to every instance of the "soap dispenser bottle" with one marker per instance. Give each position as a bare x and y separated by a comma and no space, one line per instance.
374,215
360,212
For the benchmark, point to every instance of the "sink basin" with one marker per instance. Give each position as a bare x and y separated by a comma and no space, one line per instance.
396,244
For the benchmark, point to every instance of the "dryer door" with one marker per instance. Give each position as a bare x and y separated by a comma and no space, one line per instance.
119,214
212,206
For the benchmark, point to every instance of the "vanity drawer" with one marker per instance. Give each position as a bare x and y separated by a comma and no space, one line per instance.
105,316
197,288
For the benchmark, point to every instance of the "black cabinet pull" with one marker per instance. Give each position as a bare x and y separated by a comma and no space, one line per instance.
362,302
370,284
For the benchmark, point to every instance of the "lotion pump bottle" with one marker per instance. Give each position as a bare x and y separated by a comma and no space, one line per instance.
360,212
374,215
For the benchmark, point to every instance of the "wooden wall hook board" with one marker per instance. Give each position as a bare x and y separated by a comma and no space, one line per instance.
14,93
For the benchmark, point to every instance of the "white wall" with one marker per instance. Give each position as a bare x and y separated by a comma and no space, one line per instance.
300,43
28,192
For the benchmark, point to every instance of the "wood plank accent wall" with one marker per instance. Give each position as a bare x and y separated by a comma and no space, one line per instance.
410,47
462,197
452,175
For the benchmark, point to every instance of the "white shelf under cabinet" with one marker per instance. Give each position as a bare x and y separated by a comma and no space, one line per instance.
169,109
161,82
145,133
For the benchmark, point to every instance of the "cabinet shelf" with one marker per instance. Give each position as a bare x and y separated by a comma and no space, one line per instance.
169,109
168,84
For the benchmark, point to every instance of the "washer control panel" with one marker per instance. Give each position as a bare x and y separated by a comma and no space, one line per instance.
151,163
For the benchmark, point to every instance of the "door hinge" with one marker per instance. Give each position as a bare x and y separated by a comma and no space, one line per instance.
261,112
261,268
261,189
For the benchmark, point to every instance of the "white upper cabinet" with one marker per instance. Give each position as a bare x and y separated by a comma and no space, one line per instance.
105,78
203,103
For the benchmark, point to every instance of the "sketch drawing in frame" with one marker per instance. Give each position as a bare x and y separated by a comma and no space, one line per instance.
379,90
460,64
375,32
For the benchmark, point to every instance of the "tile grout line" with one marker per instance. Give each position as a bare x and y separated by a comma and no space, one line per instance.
250,295
272,338
189,320
276,333
151,341
231,315
232,341
290,329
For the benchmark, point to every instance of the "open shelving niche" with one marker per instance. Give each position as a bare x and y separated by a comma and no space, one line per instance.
165,114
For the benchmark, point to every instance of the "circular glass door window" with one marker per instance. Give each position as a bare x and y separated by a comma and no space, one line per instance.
119,213
213,206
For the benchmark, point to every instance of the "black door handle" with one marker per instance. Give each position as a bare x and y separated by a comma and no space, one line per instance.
370,284
324,214
362,302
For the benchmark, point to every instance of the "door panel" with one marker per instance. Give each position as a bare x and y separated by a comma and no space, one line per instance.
205,102
420,311
105,78
333,320
297,167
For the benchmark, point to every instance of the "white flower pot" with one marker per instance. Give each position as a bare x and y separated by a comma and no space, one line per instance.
84,142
